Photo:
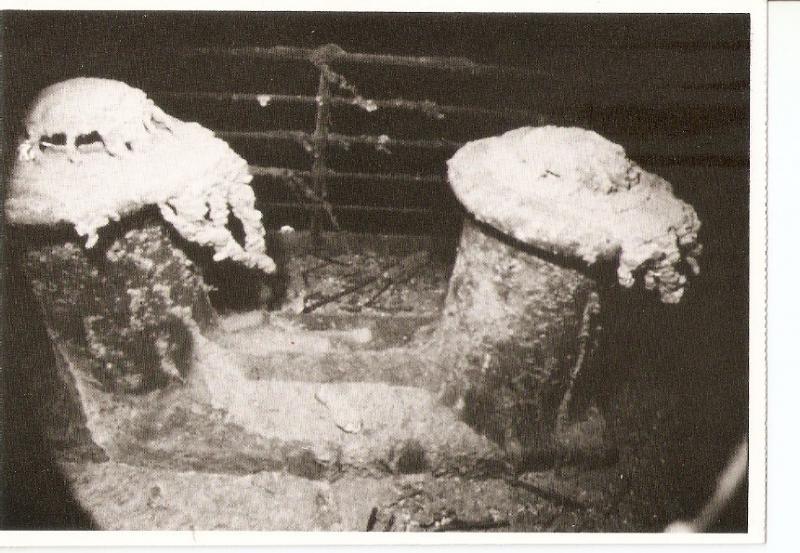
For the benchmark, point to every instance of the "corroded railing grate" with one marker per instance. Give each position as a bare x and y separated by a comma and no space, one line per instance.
334,91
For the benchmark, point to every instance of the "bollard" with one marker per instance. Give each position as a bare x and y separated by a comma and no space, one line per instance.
549,211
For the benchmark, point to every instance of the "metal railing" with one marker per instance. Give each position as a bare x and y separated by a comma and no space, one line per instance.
335,91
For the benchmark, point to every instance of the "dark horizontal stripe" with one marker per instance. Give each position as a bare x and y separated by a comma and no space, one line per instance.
350,207
705,161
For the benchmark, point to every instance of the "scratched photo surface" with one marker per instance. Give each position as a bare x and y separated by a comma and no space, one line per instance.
375,272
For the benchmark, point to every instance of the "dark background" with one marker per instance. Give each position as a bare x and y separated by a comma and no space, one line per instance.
672,89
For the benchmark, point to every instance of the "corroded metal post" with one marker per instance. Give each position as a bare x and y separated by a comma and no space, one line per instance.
320,145
520,321
517,328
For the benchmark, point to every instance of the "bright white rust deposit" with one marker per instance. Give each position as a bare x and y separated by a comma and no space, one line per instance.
572,192
140,156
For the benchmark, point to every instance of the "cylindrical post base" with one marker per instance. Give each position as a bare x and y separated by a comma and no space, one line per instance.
517,329
128,307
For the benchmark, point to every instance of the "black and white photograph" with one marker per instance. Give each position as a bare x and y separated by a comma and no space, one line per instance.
381,272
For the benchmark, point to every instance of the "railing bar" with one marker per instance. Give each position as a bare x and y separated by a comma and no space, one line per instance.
710,44
390,177
339,101
334,54
278,172
422,106
340,139
299,136
384,140
284,173
264,99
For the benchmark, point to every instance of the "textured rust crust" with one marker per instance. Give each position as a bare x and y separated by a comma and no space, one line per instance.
129,310
571,192
516,331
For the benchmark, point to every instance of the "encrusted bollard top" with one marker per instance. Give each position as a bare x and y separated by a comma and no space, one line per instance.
571,192
98,149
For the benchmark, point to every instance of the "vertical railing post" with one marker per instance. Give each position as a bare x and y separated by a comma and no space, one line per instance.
320,148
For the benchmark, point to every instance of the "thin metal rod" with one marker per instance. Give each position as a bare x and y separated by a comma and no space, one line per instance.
302,137
398,178
385,141
341,139
320,142
427,107
335,54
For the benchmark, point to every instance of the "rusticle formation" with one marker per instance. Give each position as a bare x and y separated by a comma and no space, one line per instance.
572,192
97,150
